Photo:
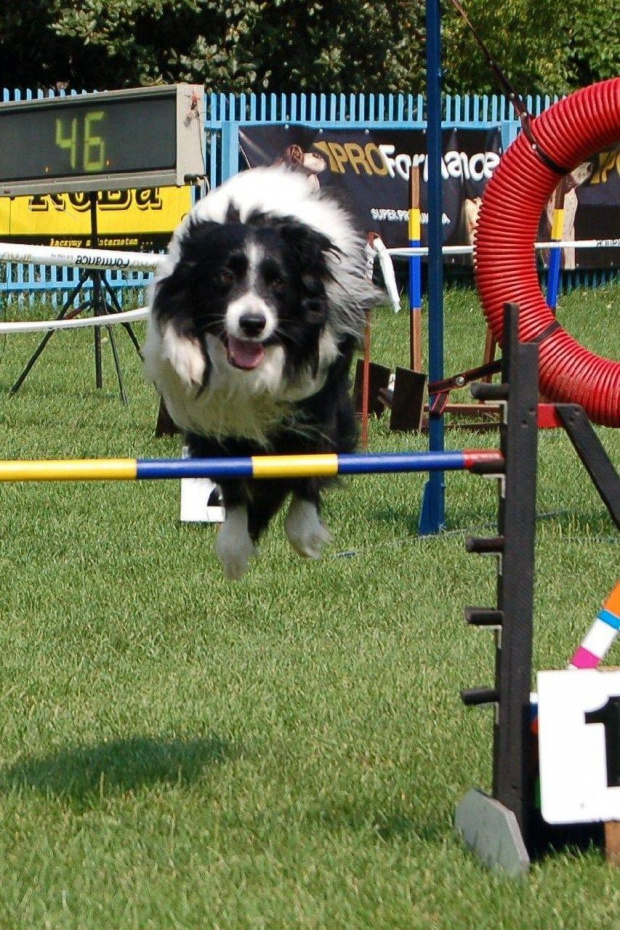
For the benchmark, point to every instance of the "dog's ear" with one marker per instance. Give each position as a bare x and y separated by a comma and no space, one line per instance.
310,246
312,249
232,214
173,293
193,247
295,154
171,297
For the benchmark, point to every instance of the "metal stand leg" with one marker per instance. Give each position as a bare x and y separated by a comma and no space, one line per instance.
118,309
63,313
100,307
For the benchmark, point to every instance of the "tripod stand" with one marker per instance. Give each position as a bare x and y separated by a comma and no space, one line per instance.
100,306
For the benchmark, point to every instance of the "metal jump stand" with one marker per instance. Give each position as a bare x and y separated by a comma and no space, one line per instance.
497,827
506,829
102,301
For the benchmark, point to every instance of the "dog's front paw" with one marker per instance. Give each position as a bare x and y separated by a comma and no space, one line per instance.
185,356
304,529
233,545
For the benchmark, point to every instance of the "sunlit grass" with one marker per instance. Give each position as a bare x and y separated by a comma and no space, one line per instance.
182,751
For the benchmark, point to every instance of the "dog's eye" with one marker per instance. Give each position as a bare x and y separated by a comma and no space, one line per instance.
225,276
277,283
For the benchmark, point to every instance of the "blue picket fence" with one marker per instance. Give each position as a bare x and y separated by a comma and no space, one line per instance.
225,114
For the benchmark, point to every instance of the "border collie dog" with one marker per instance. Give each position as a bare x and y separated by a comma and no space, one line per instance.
255,316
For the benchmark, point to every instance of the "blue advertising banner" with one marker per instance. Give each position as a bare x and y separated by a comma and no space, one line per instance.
369,171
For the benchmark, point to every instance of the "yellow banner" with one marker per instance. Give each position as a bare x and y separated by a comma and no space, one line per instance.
130,219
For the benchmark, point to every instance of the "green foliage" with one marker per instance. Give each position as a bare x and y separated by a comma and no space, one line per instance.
595,42
542,46
283,45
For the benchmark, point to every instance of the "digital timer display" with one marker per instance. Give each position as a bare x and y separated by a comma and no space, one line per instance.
144,137
84,139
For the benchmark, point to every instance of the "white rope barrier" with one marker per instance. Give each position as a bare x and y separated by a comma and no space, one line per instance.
468,249
35,326
92,259
140,261
136,261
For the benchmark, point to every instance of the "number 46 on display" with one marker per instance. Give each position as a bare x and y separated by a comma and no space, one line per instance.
80,137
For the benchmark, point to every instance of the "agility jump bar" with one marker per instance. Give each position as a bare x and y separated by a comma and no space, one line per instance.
262,466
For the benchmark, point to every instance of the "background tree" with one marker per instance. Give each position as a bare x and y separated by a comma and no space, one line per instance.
544,47
284,45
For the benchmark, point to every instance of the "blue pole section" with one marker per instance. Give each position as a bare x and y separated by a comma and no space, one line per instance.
216,469
553,277
415,272
432,517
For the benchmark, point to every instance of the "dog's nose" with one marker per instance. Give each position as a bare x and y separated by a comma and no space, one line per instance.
252,324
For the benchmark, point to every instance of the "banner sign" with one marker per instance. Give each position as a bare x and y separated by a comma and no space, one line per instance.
368,171
588,209
141,219
597,214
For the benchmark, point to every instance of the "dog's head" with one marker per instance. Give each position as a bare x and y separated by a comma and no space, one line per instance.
250,285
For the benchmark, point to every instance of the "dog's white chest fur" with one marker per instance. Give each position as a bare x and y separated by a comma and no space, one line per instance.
234,403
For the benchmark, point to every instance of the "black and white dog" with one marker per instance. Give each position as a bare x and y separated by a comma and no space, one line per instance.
254,319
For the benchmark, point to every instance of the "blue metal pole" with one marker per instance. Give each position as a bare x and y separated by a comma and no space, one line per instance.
553,277
432,517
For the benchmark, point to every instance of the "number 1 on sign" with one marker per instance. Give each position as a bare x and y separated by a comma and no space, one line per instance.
609,716
578,744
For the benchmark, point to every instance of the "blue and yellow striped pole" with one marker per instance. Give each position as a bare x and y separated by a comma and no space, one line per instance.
258,466
555,254
415,272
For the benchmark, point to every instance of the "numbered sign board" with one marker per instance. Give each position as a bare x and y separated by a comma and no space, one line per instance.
114,140
579,745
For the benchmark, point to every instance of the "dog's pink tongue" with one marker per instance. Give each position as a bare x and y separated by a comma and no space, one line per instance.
245,354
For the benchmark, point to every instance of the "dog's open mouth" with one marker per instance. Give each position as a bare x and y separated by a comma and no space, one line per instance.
243,353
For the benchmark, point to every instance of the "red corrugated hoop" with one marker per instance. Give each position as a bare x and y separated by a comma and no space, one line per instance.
568,133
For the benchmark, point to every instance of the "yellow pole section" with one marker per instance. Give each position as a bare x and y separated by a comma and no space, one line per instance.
557,228
69,470
415,224
294,466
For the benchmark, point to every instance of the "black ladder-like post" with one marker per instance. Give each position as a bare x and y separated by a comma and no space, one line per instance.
498,827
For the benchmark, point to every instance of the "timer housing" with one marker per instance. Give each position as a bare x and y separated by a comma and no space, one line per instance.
142,137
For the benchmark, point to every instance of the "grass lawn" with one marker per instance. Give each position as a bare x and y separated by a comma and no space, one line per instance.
182,751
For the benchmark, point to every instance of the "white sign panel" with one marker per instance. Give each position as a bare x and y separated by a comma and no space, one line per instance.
197,497
200,499
579,745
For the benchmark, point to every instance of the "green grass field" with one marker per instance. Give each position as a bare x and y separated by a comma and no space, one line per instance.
288,751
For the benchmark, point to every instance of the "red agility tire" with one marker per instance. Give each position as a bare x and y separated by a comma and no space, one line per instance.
569,132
